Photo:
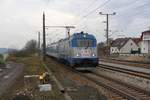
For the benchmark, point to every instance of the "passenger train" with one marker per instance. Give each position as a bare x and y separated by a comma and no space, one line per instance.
78,50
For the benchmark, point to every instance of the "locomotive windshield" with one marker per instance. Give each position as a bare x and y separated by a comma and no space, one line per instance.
85,43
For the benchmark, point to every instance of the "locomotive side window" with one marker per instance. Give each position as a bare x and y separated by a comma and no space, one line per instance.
85,43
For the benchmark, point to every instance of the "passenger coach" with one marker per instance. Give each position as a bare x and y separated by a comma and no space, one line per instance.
79,50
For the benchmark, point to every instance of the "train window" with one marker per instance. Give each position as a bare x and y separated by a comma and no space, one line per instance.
84,43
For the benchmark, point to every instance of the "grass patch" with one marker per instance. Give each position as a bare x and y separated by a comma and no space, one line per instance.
33,66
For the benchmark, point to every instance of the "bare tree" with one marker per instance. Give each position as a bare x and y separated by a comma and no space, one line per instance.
31,47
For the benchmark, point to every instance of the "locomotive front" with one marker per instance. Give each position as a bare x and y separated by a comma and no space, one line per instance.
84,51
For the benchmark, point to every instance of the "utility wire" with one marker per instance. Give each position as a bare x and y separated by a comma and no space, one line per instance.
129,5
91,4
143,5
135,13
138,7
100,6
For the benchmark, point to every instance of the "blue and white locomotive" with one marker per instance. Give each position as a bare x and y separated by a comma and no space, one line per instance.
79,50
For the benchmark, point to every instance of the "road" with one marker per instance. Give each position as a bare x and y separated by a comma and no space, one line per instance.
9,74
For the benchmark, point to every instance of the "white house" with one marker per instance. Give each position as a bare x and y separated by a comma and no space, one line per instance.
145,44
125,45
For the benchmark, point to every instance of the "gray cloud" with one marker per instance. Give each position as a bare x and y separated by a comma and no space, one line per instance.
21,19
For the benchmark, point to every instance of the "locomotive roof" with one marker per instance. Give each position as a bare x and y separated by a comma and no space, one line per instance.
83,35
76,35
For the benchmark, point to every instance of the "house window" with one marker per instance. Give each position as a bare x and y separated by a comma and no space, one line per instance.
112,49
143,48
131,43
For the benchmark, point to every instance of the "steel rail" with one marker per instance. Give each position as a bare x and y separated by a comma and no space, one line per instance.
125,85
127,71
128,62
112,88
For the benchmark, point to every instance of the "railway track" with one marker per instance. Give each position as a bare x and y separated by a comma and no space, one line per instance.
127,71
113,89
120,90
130,63
82,79
116,94
125,91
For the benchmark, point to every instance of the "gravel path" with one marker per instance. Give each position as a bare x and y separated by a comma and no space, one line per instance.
9,74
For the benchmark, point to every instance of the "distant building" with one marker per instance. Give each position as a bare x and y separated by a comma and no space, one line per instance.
125,45
145,44
132,45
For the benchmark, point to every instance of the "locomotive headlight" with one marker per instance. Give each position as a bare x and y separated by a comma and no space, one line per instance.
93,54
77,55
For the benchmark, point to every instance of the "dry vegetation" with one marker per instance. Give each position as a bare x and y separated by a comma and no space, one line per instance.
33,65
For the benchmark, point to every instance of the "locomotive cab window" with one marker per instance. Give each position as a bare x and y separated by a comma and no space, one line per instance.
85,43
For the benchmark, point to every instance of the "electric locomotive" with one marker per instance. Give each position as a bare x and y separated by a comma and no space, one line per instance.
78,50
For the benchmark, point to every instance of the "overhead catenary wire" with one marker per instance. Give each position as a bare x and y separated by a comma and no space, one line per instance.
138,12
100,6
134,8
127,6
92,11
106,2
91,4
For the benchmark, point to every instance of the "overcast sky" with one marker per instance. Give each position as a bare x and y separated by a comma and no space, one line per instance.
20,20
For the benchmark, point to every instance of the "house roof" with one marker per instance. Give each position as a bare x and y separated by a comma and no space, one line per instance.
145,33
136,40
119,42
